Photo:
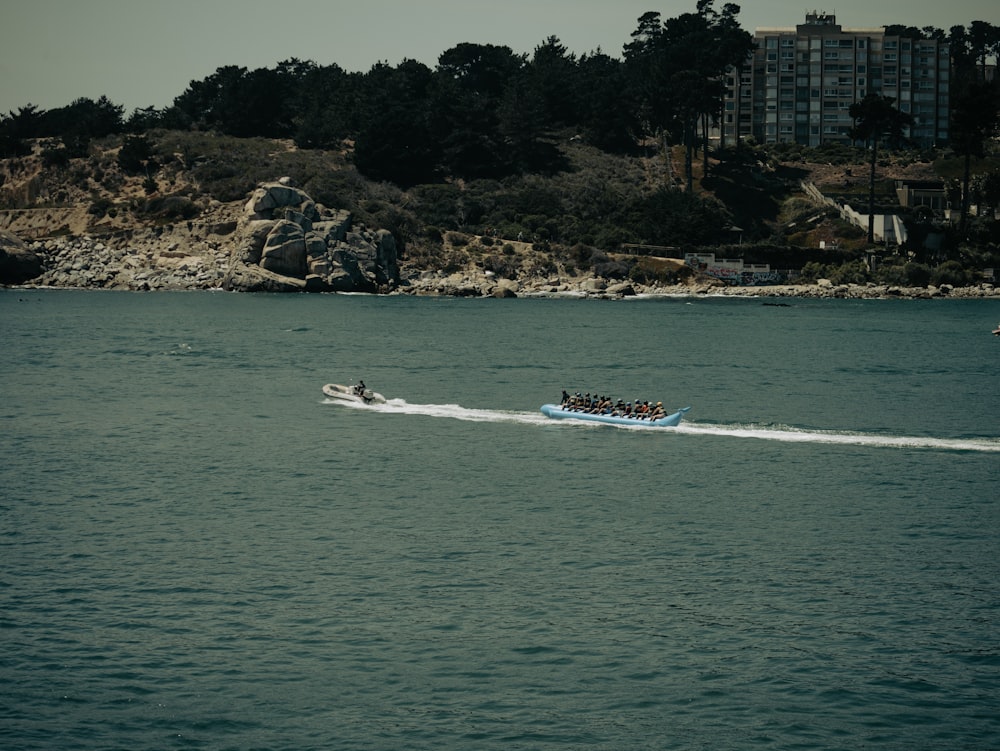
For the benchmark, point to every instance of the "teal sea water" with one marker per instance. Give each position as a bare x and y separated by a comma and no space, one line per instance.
199,550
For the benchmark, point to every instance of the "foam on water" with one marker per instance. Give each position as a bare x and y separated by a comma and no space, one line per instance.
782,433
790,434
453,411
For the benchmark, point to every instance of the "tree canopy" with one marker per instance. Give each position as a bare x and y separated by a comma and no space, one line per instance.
483,111
876,121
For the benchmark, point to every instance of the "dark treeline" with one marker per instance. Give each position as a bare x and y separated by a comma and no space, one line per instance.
483,111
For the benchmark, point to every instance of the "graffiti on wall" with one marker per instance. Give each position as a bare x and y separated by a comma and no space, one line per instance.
733,272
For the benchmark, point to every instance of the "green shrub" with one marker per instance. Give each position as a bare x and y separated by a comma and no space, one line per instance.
950,272
853,272
55,157
171,207
812,271
454,261
136,156
917,274
502,266
892,274
100,207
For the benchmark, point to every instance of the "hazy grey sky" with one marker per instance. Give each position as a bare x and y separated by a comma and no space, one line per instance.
141,53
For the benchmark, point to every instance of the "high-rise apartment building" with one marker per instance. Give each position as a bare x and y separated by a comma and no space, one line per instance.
801,82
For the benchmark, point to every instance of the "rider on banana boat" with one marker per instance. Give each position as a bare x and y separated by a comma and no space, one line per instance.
597,404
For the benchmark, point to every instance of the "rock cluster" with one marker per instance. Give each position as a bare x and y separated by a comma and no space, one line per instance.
159,258
870,291
477,283
484,284
286,233
281,242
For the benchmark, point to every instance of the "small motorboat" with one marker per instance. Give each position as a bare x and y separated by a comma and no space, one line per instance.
996,331
352,394
667,421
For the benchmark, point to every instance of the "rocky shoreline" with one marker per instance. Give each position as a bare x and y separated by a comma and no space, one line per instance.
473,285
166,260
182,258
281,241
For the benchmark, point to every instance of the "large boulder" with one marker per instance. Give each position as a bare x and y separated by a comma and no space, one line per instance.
241,278
285,250
334,225
622,289
18,263
386,257
271,196
252,236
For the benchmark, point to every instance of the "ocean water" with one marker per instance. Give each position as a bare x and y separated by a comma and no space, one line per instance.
199,550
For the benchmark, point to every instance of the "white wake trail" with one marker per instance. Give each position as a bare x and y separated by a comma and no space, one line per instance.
788,434
785,434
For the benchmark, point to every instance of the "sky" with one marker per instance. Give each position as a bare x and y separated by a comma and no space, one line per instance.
141,53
